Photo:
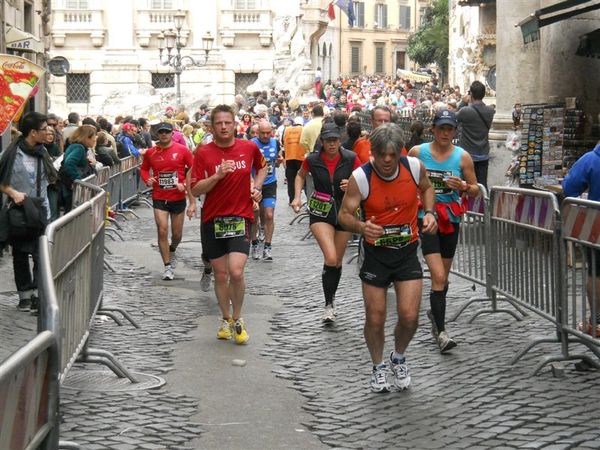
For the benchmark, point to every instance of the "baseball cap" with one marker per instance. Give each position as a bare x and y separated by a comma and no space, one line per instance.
128,127
169,108
329,131
445,117
164,126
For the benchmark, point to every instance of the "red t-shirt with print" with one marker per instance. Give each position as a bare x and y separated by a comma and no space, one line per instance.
169,166
231,195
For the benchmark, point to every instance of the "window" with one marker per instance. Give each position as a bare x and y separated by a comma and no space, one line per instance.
162,4
380,16
404,17
245,4
379,66
77,4
359,14
163,80
78,88
243,80
355,59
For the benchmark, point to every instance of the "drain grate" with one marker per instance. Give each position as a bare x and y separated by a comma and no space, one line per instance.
106,381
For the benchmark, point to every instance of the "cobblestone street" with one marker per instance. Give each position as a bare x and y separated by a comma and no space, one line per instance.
304,385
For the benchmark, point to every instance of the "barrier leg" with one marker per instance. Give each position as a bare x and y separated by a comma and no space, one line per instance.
113,231
493,311
532,344
68,445
303,217
128,211
109,267
120,214
114,222
308,235
122,312
562,358
111,315
109,360
107,250
298,218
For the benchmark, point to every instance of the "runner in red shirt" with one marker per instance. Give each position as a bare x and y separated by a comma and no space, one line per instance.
164,169
222,171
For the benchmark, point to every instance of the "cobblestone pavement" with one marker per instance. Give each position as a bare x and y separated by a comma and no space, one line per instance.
471,398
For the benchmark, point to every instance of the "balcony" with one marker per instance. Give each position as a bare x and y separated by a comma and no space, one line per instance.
150,22
246,21
78,21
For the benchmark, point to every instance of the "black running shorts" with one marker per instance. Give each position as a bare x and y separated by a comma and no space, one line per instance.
382,266
444,244
173,207
214,248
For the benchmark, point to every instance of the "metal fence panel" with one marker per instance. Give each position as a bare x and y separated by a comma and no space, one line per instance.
29,396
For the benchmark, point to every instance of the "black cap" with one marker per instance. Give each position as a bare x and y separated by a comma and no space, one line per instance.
445,117
164,126
329,131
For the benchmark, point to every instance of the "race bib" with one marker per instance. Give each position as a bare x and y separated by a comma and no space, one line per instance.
270,168
229,226
167,180
319,204
438,180
394,236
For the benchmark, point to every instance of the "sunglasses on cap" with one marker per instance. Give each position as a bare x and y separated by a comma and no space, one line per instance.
164,131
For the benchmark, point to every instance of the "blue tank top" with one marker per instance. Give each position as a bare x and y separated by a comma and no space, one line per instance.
269,151
439,171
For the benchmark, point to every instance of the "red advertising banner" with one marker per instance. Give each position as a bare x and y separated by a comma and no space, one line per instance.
18,78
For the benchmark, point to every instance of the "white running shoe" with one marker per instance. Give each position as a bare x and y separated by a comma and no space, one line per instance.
379,381
328,314
255,252
401,374
168,273
267,256
445,342
205,281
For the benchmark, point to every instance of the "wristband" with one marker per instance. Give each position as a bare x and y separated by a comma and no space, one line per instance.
432,212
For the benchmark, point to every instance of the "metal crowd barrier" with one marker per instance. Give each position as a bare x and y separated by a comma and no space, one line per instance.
29,396
581,272
472,260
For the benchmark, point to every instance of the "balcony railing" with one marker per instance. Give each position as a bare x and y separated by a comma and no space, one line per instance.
78,21
251,20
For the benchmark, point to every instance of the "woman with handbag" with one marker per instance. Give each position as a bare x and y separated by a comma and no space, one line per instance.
76,165
26,170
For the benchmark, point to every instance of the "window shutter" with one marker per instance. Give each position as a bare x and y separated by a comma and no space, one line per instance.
385,22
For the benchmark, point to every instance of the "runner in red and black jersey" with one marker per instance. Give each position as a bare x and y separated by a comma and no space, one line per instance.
222,171
164,168
387,189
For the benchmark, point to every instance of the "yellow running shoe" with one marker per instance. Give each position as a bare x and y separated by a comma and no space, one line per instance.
224,331
240,335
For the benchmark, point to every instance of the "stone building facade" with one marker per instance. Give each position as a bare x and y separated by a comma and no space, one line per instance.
113,51
377,42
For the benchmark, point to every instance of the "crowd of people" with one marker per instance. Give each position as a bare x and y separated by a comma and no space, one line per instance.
352,176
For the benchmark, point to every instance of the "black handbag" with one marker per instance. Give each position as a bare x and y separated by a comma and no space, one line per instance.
28,220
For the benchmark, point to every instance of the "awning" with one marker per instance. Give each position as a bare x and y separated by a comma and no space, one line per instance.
413,76
475,2
530,26
22,41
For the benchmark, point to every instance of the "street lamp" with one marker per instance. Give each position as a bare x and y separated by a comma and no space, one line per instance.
171,41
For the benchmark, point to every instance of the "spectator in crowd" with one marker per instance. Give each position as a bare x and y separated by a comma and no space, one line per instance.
145,132
72,124
416,134
18,181
76,163
125,145
104,152
475,119
53,121
585,176
187,131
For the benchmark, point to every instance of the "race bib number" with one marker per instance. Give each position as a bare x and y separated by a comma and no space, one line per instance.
229,226
438,180
167,180
394,236
319,204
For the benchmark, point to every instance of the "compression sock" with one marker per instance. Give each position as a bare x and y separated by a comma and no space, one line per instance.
437,301
267,244
398,358
338,275
330,280
255,242
172,249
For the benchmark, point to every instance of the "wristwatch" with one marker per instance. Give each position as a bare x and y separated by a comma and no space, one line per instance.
432,212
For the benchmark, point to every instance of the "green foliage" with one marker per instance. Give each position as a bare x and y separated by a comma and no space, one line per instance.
429,44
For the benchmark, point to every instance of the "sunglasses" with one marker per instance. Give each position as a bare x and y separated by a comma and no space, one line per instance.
164,131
